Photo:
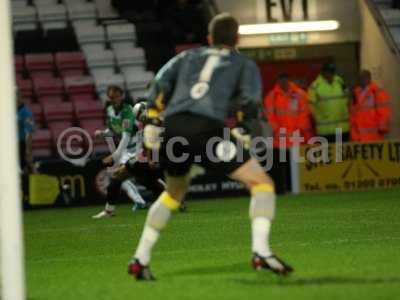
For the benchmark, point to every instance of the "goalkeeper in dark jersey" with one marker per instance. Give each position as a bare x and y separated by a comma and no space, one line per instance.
194,93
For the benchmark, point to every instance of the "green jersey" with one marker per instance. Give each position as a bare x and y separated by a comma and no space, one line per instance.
123,121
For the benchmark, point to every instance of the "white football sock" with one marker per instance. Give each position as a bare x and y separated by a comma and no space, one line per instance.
131,190
146,244
110,207
260,227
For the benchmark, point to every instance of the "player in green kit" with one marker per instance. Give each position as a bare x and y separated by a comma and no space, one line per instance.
121,126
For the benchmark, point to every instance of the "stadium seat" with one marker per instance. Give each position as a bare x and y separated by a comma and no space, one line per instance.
79,85
81,11
136,94
75,98
88,49
19,63
25,86
100,59
42,144
89,33
50,99
89,110
94,124
24,17
121,46
106,10
121,32
39,62
137,80
48,86
72,73
45,2
133,57
70,64
103,81
37,111
70,60
58,130
90,126
55,112
52,16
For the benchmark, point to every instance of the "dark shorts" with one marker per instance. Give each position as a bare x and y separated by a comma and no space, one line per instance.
146,175
190,138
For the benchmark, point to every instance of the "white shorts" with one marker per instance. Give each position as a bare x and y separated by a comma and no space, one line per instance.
127,155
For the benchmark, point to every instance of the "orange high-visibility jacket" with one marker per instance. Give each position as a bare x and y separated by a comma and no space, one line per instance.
287,112
370,114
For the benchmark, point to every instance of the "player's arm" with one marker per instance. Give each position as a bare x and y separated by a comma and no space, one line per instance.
250,95
129,128
107,132
162,87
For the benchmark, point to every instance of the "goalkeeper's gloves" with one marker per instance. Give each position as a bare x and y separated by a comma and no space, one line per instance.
243,137
152,136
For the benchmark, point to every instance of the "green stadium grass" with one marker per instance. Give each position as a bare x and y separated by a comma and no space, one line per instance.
343,246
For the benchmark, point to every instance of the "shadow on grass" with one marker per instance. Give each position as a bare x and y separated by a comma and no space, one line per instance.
267,278
212,270
324,280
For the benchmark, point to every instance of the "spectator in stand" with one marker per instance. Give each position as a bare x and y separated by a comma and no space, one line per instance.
286,108
25,130
329,104
370,111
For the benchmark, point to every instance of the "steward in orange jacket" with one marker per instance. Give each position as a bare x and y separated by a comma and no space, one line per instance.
286,108
370,111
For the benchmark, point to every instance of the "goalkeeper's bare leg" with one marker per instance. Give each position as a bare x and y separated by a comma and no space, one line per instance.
262,212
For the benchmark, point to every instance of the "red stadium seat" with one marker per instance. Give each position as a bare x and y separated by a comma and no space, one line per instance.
42,143
55,112
64,139
25,86
48,86
70,60
37,111
79,85
39,62
74,98
19,76
50,99
19,63
90,126
27,100
89,110
41,74
72,73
